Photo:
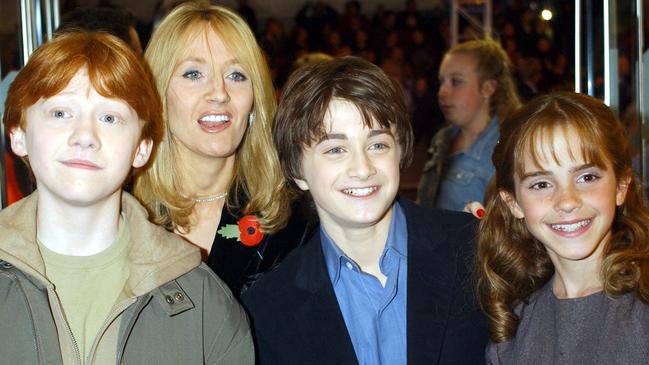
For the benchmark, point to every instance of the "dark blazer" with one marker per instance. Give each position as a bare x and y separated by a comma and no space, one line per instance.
239,265
296,318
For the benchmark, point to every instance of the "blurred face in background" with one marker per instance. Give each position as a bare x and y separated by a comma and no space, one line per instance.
462,97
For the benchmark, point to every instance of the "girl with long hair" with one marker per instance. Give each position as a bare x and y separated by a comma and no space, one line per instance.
563,252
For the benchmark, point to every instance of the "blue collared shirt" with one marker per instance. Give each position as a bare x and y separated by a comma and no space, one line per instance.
469,171
375,316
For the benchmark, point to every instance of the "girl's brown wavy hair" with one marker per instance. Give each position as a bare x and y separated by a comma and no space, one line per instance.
511,263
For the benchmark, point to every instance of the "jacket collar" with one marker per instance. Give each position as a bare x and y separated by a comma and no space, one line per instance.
441,142
155,257
313,267
430,281
485,141
316,310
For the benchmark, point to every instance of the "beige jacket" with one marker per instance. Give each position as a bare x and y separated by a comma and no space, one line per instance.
172,310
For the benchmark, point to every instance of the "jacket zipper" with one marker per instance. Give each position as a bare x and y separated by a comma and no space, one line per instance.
111,317
66,325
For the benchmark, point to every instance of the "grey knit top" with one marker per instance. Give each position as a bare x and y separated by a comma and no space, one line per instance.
596,329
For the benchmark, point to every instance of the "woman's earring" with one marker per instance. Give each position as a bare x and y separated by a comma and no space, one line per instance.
251,119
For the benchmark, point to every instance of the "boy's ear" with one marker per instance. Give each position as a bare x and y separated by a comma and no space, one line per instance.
18,141
488,88
143,152
301,184
512,204
622,188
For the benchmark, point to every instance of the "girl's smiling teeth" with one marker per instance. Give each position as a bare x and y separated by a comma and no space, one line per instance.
572,227
360,191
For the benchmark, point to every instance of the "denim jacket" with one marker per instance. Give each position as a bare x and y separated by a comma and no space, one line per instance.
451,181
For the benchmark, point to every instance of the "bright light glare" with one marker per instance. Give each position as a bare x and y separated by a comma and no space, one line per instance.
546,14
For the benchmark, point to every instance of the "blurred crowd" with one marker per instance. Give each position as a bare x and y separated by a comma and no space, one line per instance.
408,45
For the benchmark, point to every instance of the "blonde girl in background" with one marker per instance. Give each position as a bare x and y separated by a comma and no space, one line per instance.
476,92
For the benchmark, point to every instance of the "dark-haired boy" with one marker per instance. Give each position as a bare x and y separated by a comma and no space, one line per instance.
385,281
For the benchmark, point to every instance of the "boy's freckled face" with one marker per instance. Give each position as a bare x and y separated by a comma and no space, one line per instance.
81,145
352,174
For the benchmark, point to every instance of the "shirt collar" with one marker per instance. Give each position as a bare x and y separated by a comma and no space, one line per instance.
475,151
396,242
332,254
398,233
490,134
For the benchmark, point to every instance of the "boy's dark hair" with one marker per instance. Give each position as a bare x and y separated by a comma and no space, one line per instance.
116,22
308,92
112,21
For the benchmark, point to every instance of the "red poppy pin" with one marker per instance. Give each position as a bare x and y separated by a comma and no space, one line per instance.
246,231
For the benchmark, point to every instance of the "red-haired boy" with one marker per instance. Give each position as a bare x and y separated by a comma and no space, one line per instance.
84,277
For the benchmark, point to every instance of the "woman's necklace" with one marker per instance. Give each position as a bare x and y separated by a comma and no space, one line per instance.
210,198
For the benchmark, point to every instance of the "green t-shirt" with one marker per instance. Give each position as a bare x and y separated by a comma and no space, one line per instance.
88,286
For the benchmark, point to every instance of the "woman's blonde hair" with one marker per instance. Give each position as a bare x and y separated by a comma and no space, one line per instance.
512,264
492,63
258,182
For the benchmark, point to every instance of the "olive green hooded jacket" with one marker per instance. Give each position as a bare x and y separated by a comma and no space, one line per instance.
172,310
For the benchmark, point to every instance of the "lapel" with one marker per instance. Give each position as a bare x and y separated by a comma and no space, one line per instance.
230,259
317,314
430,284
239,265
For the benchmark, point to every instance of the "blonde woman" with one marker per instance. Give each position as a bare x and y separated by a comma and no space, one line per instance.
215,179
